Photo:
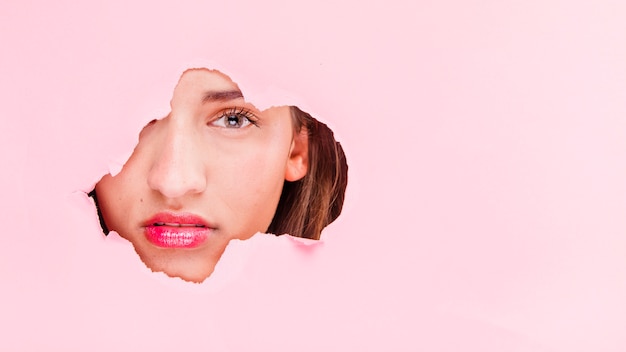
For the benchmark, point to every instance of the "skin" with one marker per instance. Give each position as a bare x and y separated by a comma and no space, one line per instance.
194,161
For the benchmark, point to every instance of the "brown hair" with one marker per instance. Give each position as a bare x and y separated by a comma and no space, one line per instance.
306,206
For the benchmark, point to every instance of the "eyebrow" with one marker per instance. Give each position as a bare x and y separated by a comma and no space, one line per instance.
221,95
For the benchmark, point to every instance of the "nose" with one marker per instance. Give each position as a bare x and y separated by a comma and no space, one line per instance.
177,169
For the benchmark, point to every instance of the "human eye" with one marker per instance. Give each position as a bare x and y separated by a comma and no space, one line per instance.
235,118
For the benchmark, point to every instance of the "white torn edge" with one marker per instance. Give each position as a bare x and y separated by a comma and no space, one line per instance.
230,267
262,96
300,241
117,163
233,261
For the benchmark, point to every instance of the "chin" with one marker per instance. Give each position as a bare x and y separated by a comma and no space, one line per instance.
187,274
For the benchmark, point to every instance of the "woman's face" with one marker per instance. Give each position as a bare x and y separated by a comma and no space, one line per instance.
209,172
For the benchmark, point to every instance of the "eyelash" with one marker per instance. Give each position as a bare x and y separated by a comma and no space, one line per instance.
238,112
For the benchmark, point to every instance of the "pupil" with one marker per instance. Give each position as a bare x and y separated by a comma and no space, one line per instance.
233,120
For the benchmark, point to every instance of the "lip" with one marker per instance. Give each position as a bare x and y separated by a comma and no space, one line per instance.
177,230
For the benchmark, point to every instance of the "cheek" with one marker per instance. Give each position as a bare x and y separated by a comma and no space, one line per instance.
108,191
252,178
117,198
260,177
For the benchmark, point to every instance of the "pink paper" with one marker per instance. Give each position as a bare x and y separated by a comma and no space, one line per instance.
486,199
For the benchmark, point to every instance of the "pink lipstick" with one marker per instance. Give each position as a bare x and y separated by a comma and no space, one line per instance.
177,230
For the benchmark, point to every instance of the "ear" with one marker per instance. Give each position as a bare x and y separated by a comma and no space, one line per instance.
298,162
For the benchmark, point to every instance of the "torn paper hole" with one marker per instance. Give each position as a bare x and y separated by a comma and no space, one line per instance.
217,169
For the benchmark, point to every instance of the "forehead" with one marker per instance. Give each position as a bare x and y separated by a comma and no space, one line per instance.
196,82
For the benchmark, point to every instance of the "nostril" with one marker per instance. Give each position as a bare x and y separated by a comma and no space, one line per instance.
177,169
178,180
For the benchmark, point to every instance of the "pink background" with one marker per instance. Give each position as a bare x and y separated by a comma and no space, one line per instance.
487,149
